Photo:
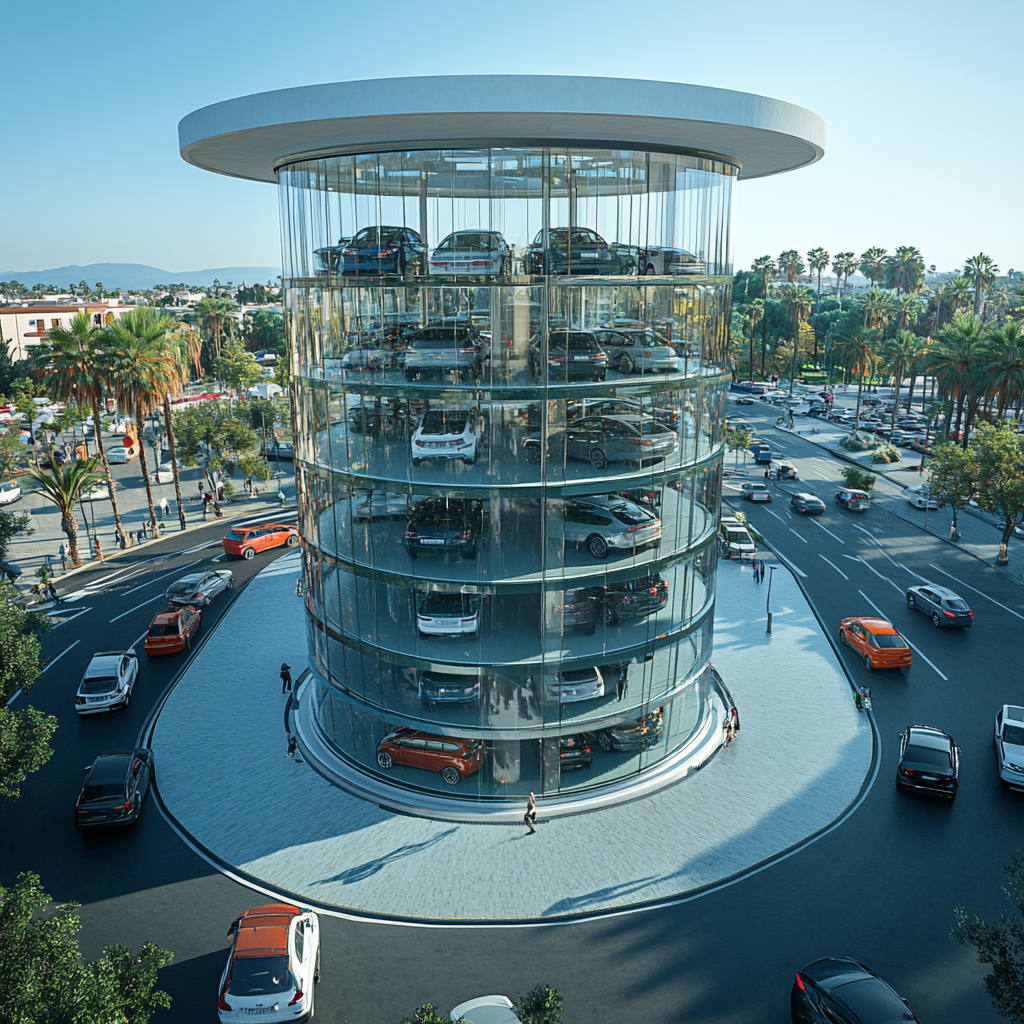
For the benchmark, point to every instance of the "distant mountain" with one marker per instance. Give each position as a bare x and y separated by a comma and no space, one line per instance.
131,276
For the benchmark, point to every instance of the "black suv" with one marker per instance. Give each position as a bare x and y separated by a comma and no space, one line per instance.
571,355
113,789
838,989
574,752
929,762
445,524
574,251
634,598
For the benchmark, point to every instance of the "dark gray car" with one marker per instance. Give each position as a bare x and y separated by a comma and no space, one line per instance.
941,605
603,439
444,351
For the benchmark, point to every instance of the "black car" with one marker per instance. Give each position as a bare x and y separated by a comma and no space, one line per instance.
328,258
929,762
571,355
603,439
574,251
444,350
634,599
445,524
636,734
448,688
807,504
114,787
384,250
574,752
577,610
838,990
941,605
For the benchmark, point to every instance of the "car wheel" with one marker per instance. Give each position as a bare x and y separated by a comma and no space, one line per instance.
597,546
384,759
900,788
842,637
625,364
316,970
1003,783
292,540
911,603
936,621
206,602
417,463
604,742
247,553
470,461
597,458
451,775
867,662
127,700
608,615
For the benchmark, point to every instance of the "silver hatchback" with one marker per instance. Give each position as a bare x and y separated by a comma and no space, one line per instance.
643,351
609,522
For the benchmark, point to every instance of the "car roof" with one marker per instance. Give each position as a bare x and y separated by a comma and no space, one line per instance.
831,971
941,591
1013,713
929,736
875,625
103,664
263,931
168,616
805,495
192,577
485,1010
111,767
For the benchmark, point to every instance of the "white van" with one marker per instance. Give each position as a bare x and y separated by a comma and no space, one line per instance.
734,540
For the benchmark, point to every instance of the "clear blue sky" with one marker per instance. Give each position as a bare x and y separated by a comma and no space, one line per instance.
923,103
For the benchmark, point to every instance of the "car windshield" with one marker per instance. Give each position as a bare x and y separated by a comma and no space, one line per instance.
736,537
649,427
560,236
439,515
103,791
574,341
887,641
187,588
872,999
99,684
446,604
439,337
370,236
926,755
577,675
956,604
439,421
1013,734
474,241
233,535
259,975
163,629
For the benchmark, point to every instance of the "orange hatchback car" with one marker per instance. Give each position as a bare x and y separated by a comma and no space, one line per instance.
875,639
453,758
245,541
172,631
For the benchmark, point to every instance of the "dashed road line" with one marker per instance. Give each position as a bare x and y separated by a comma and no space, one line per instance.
155,579
913,647
795,534
828,531
969,587
159,597
834,566
61,655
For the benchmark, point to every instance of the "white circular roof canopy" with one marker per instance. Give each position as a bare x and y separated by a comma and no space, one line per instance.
251,136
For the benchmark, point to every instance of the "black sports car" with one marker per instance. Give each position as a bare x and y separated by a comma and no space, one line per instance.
839,989
114,787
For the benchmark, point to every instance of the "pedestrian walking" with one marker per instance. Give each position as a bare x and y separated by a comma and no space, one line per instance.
286,677
735,716
767,474
220,492
63,558
762,570
530,817
247,485
756,579
255,490
53,593
163,507
281,497
292,744
202,490
623,682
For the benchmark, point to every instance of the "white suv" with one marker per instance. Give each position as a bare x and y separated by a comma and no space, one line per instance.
108,682
447,434
1009,741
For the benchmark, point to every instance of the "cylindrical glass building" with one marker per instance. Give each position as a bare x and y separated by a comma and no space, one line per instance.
509,364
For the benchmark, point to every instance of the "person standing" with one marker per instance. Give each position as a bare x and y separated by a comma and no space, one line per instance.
530,818
286,677
623,682
53,593
163,507
202,492
63,558
762,570
734,716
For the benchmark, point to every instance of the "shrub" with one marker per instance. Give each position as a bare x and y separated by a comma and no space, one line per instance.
858,478
859,442
886,453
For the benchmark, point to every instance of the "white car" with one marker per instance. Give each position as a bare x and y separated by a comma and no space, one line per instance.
756,492
1009,740
471,252
273,965
164,474
96,493
381,505
485,1010
108,682
446,434
574,684
9,492
448,614
921,497
117,454
602,523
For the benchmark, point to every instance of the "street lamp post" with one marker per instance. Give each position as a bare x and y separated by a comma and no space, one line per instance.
768,601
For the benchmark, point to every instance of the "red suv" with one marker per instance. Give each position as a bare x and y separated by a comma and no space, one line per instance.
453,758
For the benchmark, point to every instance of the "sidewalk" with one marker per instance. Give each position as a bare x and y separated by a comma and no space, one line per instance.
798,763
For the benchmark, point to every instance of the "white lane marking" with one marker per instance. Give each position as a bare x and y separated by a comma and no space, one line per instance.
219,558
911,572
61,655
913,647
143,637
834,566
198,547
159,597
771,513
16,695
883,551
814,458
180,568
795,534
983,594
790,565
879,575
57,625
827,530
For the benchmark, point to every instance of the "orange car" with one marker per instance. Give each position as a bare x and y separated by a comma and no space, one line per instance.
453,758
245,541
172,631
877,641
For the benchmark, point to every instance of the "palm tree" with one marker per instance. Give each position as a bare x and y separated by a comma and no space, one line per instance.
858,348
905,270
142,369
817,260
910,310
72,368
953,362
764,267
63,486
754,313
790,265
879,308
899,355
981,271
1002,364
872,264
799,300
215,316
843,266
185,349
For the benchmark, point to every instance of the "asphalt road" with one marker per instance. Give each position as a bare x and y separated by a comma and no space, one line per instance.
881,887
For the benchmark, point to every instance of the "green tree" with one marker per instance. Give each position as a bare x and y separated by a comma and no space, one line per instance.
263,329
1002,364
216,318
13,452
953,362
184,350
10,371
858,478
897,355
908,312
999,455
872,264
879,308
764,269
953,476
799,301
63,486
789,265
1000,944
858,348
210,432
843,266
237,368
43,977
12,525
981,271
817,260
750,321
541,1005
904,271
427,1014
738,440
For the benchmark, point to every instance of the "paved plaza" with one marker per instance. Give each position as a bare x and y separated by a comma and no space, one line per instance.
799,761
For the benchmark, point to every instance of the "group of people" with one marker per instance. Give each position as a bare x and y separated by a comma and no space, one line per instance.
759,570
731,726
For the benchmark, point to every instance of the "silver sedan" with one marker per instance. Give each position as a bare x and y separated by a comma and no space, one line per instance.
630,351
199,588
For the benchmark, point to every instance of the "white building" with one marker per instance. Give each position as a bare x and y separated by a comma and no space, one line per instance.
25,325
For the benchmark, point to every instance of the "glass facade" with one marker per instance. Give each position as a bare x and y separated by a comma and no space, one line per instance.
509,371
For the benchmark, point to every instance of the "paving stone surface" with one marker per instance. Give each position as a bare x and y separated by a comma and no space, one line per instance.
798,762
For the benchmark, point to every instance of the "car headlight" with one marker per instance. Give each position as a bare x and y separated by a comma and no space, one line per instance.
1014,767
